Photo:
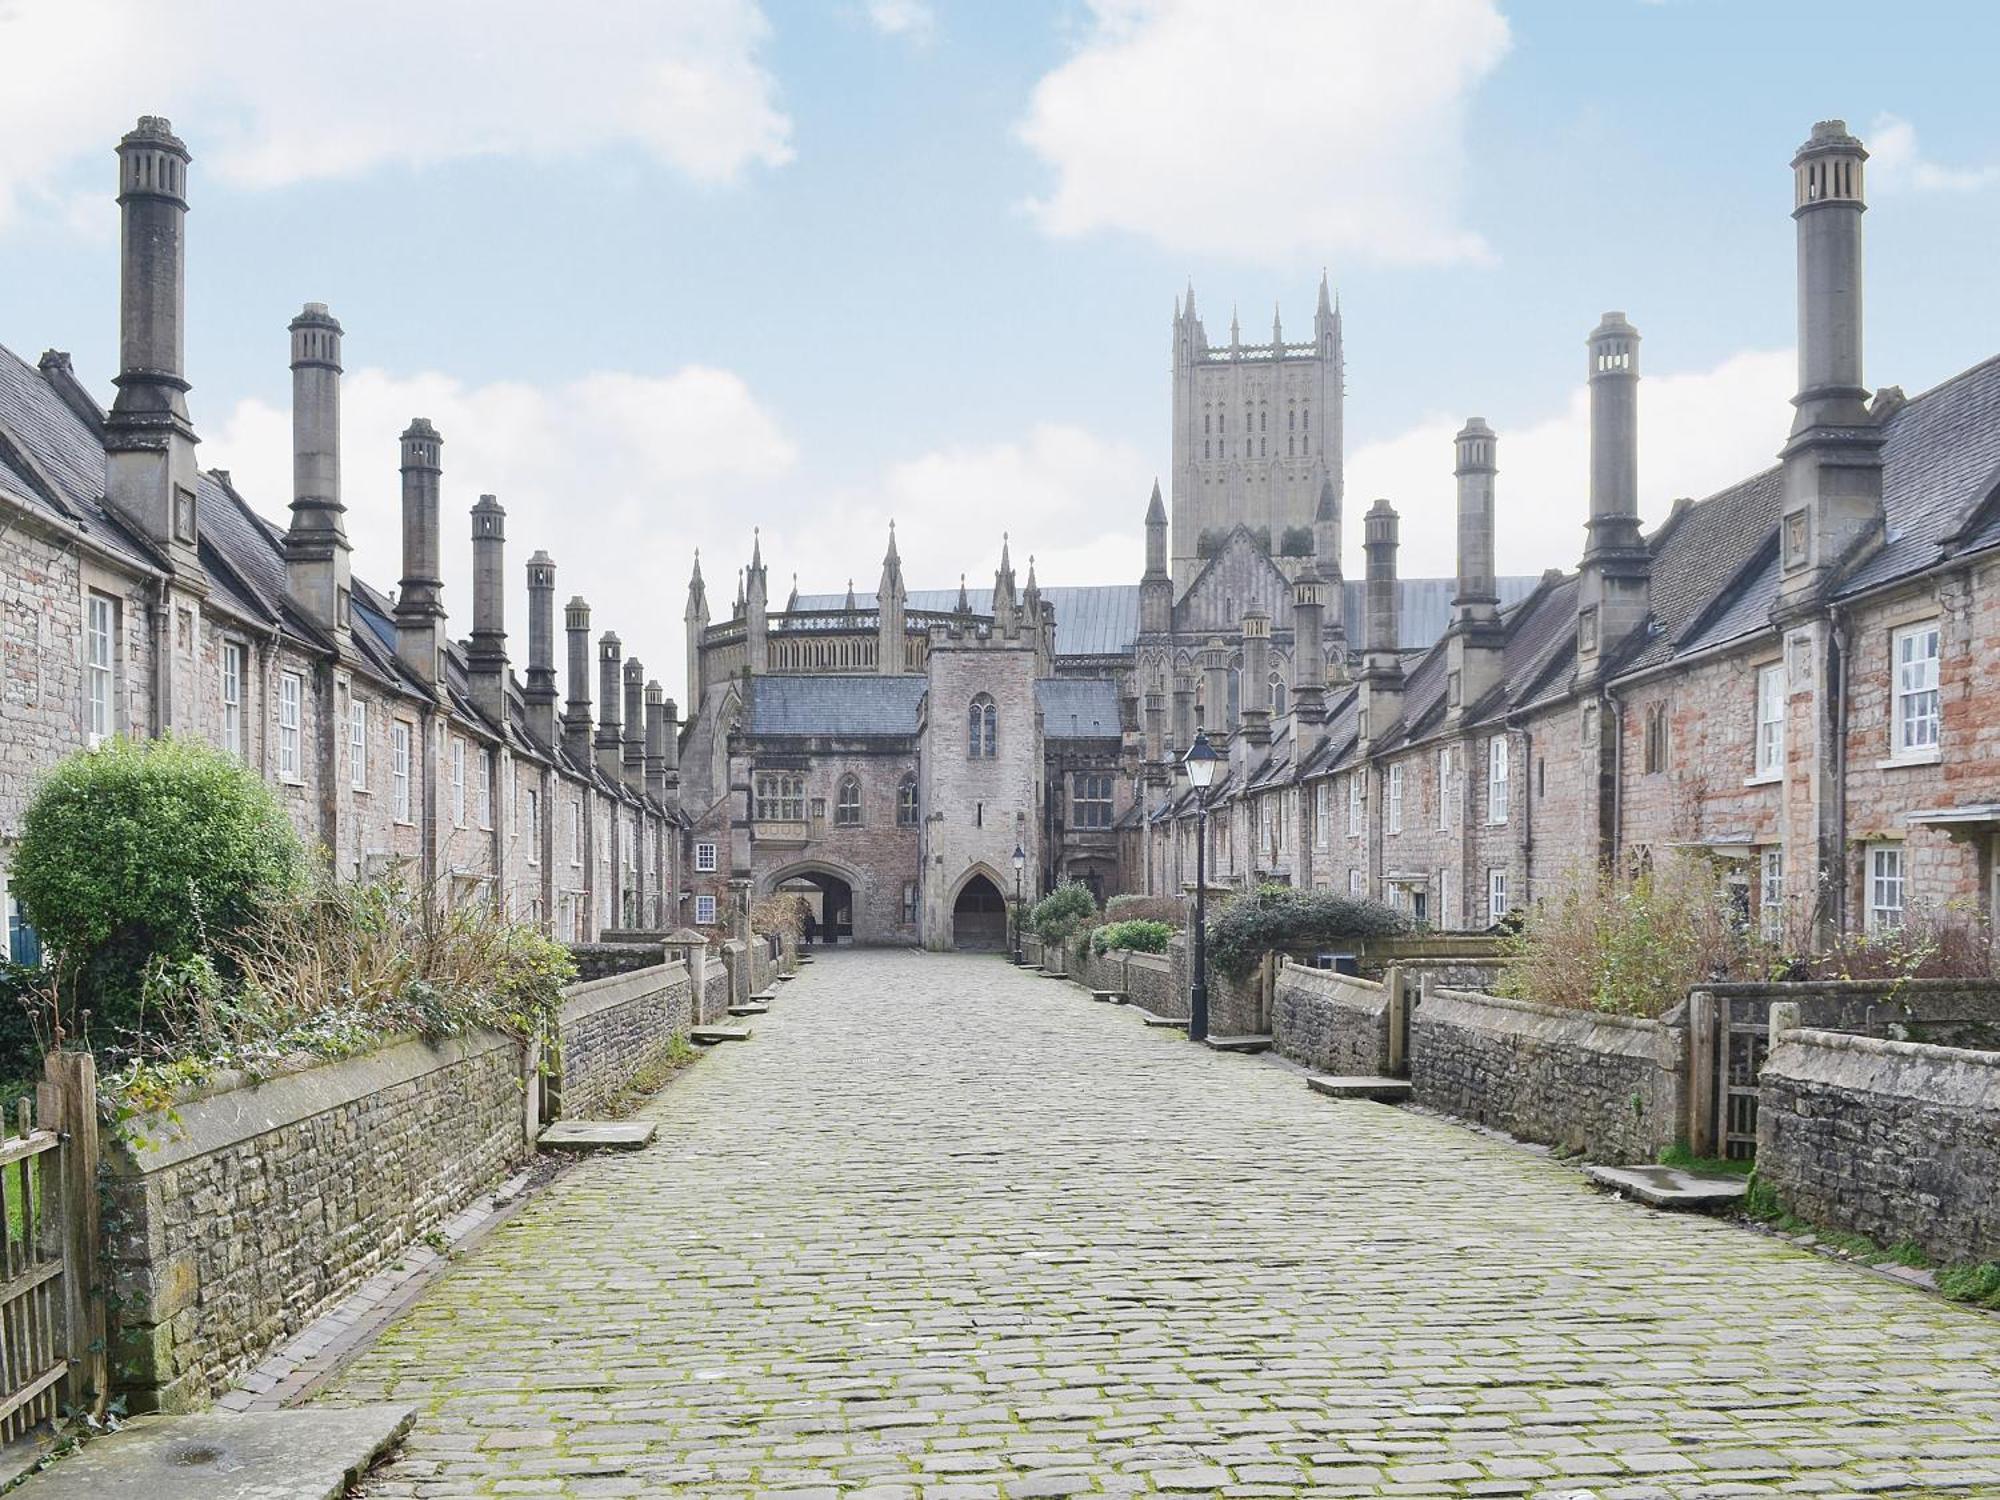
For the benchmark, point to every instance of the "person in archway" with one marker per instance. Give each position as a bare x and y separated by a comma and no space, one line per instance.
812,927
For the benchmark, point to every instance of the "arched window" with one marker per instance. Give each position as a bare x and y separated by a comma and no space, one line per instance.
1277,695
847,803
981,724
906,803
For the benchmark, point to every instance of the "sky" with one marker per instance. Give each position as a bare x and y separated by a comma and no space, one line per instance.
664,270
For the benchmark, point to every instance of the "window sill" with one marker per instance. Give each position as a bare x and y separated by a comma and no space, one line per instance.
1770,778
359,791
1910,758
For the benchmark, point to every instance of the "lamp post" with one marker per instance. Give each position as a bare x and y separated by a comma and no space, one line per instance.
1199,764
1020,864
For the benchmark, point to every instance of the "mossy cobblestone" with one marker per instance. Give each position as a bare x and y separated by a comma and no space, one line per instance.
945,1231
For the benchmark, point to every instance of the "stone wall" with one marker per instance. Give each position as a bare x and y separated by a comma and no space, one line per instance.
598,960
1612,1087
1149,983
1894,1140
236,1219
1235,1007
1333,1023
613,1028
714,994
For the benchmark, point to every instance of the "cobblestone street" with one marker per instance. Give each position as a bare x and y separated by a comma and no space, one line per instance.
949,1231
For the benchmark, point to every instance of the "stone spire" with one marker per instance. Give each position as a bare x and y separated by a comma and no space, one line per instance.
792,599
756,597
695,618
1006,604
890,601
964,599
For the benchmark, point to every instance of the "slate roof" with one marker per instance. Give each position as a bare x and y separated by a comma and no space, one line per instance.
1078,708
833,705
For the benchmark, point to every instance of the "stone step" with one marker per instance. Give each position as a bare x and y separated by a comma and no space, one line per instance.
1113,997
1176,1023
1671,1187
1248,1044
1052,973
749,1010
1382,1090
708,1036
787,978
763,997
599,1135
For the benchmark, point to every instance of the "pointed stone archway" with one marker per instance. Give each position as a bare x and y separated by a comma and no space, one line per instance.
979,916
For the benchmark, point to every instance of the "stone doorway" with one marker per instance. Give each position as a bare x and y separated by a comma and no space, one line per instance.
829,906
979,916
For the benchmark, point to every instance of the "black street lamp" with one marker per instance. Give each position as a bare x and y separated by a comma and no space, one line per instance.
1020,864
1199,764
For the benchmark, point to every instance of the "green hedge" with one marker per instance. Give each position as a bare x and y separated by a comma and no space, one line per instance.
1280,918
1134,937
1063,912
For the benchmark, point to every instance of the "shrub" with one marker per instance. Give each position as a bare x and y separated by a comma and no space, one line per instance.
148,854
1134,937
1634,945
782,915
1278,917
1060,914
1934,942
1168,909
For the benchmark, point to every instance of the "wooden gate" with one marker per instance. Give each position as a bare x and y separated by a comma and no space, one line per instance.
1729,1037
52,1350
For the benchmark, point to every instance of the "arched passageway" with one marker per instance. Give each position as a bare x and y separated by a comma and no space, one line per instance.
829,905
979,916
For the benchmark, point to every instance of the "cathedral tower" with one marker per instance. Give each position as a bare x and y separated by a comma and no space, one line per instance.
1257,432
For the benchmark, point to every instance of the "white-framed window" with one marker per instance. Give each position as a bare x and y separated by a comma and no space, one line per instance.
232,698
483,790
1771,893
1771,697
101,666
1496,779
1914,652
1444,788
781,797
399,771
357,745
576,832
457,782
906,803
1396,798
704,858
1496,896
704,910
1887,889
1353,804
1354,883
531,819
291,698
1322,813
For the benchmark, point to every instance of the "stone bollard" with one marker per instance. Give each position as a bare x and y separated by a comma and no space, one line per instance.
1784,1018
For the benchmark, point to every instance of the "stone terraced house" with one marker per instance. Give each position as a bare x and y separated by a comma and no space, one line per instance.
1796,676
143,596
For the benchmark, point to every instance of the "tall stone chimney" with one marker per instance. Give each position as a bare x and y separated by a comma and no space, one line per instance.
610,741
1476,639
1308,656
656,742
1612,594
1382,660
486,653
540,690
149,441
635,725
1255,699
316,550
1326,561
1214,661
671,748
576,710
420,598
1183,722
1833,458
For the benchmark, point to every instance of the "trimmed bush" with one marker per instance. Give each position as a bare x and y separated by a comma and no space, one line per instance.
1279,918
143,856
1062,913
1168,909
1134,937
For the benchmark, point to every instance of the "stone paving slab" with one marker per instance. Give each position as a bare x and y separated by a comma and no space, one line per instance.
709,1036
946,1234
313,1454
599,1135
1672,1188
1360,1086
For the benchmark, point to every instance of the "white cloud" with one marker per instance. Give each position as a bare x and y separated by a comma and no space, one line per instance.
1895,161
1265,131
270,94
619,477
1698,432
905,18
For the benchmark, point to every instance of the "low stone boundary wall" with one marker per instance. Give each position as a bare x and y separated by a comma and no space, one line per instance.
1894,1140
1441,960
613,1028
714,995
596,960
233,1221
1335,1023
1610,1086
1235,1007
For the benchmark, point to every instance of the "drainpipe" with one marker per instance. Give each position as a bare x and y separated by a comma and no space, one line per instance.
1837,670
1528,821
160,618
1617,716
